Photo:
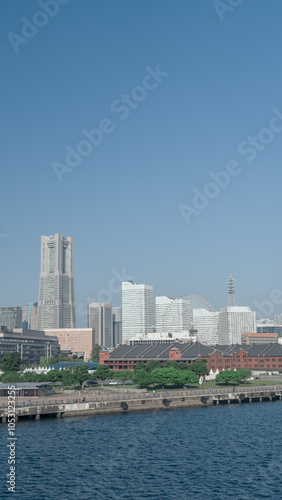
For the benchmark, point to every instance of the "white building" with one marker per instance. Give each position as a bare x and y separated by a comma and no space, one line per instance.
137,310
206,324
56,304
164,338
100,318
172,314
233,321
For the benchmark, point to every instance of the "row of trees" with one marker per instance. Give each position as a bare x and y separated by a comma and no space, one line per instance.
233,376
173,373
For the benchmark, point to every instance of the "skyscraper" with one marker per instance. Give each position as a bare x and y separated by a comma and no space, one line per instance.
117,325
100,318
11,317
30,316
56,303
233,321
137,310
206,324
172,315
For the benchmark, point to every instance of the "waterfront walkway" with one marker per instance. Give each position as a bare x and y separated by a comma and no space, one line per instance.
80,398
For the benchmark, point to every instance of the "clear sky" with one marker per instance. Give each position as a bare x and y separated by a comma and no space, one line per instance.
221,78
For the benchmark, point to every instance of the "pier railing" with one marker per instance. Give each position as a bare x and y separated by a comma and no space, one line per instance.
144,395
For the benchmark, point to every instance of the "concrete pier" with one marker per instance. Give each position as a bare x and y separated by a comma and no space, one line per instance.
158,402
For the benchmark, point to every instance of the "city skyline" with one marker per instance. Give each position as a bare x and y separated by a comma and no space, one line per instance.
197,119
268,307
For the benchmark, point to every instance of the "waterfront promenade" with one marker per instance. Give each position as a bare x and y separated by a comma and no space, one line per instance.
37,408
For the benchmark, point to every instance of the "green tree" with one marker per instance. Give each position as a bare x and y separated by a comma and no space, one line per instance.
123,375
164,376
185,377
200,368
142,378
226,377
81,374
11,377
140,366
103,373
243,374
54,376
153,364
94,356
11,362
43,361
30,377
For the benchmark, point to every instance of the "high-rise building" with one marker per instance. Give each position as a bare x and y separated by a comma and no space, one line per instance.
278,319
231,291
137,310
172,315
205,322
10,317
100,318
30,316
56,303
233,321
117,325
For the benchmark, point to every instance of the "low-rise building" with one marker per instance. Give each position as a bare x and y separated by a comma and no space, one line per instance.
259,338
80,341
264,357
31,344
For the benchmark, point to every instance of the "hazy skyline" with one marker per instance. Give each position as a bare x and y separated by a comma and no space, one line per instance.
220,86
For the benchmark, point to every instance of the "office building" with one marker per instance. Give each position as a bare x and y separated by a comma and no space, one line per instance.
56,302
117,325
100,318
172,314
233,321
30,344
10,317
259,338
205,323
78,341
164,338
30,316
278,319
137,310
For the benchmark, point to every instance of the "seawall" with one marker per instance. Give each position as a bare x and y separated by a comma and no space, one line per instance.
185,399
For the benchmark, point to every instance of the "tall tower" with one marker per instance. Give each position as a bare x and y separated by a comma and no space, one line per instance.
137,310
231,291
56,303
100,318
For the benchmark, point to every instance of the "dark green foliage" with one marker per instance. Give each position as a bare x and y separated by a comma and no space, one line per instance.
233,376
153,364
200,368
95,353
11,362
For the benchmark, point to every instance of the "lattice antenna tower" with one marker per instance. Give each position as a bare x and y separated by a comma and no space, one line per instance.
231,291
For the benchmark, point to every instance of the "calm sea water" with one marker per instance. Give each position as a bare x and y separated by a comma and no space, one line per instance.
216,453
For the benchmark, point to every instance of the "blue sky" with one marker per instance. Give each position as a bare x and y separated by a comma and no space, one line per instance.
121,203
